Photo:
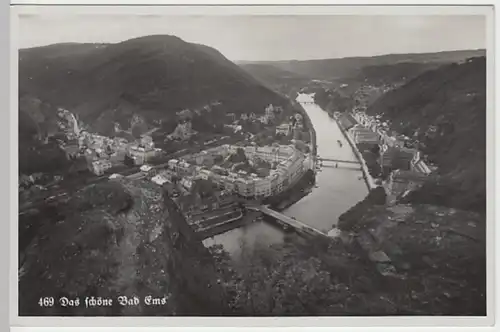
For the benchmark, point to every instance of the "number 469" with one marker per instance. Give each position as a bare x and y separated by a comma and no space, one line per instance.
46,302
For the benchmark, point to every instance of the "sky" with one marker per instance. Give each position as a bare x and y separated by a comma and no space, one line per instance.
270,38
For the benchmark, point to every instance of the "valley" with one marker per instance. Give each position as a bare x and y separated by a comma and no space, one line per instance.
155,159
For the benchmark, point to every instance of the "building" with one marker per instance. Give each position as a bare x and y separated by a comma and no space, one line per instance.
392,141
289,168
117,158
140,154
187,183
147,142
264,119
397,158
262,187
148,170
115,176
183,131
283,129
72,151
205,174
362,135
276,184
159,179
419,165
173,164
269,112
100,166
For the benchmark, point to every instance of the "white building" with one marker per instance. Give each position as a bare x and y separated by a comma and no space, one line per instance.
291,166
147,142
100,166
262,187
115,176
205,174
140,154
283,129
159,179
145,168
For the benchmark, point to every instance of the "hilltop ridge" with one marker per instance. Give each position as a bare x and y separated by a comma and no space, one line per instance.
154,76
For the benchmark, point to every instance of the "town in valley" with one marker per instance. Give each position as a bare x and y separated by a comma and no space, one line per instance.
154,168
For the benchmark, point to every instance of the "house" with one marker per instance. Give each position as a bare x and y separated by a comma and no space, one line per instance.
100,166
147,142
420,166
264,119
173,164
115,176
363,135
397,158
159,179
269,111
283,129
204,174
187,183
140,154
392,141
145,168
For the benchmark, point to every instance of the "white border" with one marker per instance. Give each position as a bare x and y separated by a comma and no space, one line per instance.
251,10
263,322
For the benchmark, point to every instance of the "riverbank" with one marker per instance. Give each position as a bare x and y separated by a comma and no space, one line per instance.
223,227
370,182
317,201
293,194
309,126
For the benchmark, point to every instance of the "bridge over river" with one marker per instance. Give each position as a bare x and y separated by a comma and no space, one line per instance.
338,160
286,220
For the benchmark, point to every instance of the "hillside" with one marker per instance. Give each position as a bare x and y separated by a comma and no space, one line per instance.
445,109
438,255
281,80
153,76
117,239
351,73
327,69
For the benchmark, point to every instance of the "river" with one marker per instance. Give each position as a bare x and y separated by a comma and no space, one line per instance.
337,189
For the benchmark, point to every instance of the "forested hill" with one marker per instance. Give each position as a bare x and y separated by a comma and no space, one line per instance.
328,69
154,76
446,109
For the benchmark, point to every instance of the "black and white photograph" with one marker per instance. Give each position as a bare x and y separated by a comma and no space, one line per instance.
271,165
